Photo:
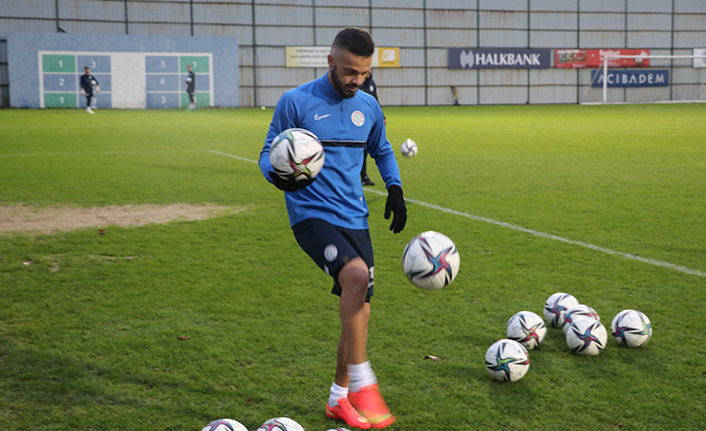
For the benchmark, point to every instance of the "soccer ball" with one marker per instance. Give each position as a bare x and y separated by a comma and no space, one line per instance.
586,336
507,360
409,148
555,307
281,424
631,328
188,80
527,328
297,153
576,312
224,425
93,82
430,260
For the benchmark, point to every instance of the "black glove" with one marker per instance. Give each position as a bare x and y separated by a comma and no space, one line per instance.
395,204
289,185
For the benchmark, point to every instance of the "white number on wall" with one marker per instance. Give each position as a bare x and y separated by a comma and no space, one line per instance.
161,81
61,82
164,100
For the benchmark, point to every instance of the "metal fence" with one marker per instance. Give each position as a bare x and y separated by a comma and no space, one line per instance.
423,29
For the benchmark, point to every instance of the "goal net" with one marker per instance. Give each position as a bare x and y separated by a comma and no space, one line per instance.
655,79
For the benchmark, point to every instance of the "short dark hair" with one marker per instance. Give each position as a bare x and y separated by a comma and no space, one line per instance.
86,67
355,40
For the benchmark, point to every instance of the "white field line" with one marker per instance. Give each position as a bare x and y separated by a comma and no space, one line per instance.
540,234
537,233
233,156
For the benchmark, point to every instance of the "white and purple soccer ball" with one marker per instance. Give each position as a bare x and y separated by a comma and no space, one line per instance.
576,312
527,328
409,148
555,307
586,336
430,260
225,425
298,154
631,328
507,360
281,424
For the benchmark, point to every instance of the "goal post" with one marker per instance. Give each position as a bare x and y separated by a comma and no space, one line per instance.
670,79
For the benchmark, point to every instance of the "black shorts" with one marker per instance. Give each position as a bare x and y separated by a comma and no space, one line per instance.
331,247
191,95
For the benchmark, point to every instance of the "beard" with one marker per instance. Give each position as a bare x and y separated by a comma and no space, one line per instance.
346,90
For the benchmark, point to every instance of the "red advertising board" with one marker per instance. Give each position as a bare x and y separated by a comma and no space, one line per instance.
578,58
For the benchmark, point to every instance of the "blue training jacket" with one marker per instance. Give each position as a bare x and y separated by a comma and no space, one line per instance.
345,127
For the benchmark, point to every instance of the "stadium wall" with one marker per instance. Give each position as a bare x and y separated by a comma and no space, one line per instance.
133,71
424,30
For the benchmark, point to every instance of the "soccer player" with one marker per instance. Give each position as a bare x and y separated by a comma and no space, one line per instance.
369,87
190,87
87,83
329,214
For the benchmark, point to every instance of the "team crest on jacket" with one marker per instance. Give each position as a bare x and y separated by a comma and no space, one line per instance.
358,118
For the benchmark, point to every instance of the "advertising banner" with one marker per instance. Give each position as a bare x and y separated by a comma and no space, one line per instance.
499,58
316,56
581,58
631,78
700,62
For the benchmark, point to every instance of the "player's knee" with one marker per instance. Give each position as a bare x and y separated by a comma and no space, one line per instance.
354,278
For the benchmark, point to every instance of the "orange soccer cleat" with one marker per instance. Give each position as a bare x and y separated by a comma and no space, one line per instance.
344,411
368,401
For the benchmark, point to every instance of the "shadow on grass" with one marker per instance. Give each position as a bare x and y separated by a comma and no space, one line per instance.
40,382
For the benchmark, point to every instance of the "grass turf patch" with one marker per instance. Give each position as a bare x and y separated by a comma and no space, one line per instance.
173,325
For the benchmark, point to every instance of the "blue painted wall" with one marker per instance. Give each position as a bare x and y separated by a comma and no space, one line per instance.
24,74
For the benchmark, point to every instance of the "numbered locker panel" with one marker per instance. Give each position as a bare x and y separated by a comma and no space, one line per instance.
61,79
166,80
201,99
161,83
61,100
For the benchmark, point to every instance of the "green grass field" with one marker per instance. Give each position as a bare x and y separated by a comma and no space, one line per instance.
89,331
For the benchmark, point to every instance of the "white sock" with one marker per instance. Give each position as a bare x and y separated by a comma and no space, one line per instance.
361,375
337,392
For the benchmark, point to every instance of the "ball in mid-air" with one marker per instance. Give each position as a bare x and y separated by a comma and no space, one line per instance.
281,424
507,360
224,425
556,306
586,336
527,328
576,312
297,154
430,260
631,328
409,148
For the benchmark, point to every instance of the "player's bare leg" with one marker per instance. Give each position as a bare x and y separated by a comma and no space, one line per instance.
353,367
354,314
